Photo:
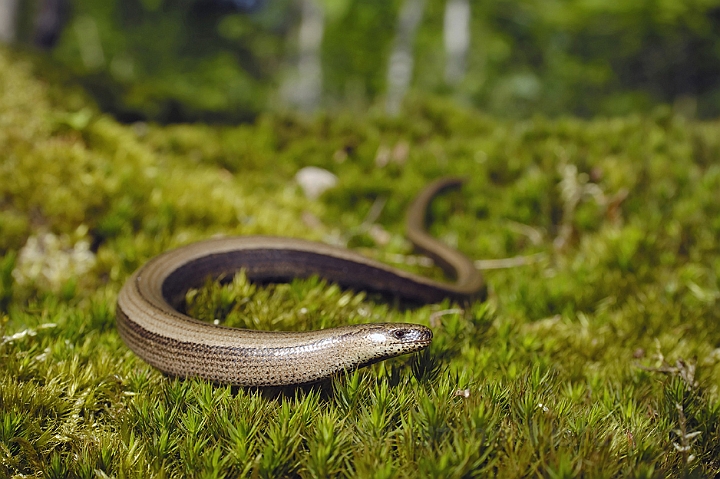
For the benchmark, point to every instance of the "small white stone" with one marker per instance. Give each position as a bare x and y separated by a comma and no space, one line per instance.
315,181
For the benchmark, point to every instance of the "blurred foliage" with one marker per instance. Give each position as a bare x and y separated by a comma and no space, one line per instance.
197,60
173,61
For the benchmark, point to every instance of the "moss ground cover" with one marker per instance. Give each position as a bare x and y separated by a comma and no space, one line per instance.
597,352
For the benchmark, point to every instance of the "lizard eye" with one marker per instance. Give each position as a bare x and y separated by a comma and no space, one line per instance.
400,334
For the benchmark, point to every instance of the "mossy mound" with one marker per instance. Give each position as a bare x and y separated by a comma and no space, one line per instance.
596,354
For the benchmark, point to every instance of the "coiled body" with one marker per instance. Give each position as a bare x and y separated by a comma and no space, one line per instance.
155,330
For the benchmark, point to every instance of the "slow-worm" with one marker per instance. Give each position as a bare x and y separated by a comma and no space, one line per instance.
149,321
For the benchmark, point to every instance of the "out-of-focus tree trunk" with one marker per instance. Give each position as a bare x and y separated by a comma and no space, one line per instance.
50,21
400,68
304,89
456,33
8,18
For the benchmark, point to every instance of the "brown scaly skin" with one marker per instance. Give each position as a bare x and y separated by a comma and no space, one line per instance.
181,346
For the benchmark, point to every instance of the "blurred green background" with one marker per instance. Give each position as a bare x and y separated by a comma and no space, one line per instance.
200,60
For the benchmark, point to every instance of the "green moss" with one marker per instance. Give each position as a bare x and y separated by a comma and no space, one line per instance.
597,358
